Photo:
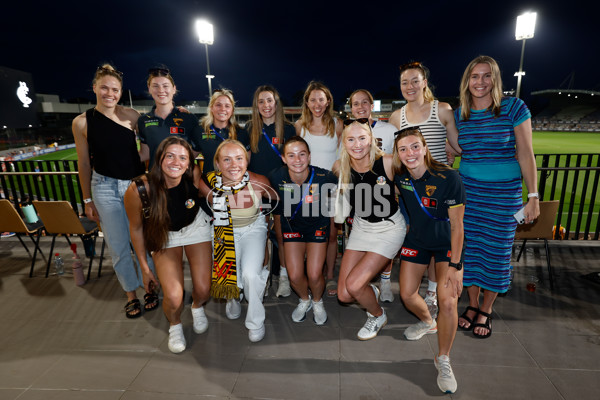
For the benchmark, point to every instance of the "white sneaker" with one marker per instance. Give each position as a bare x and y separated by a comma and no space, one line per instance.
200,320
418,330
284,289
376,290
299,313
176,338
256,335
372,326
431,301
445,379
385,285
233,309
319,313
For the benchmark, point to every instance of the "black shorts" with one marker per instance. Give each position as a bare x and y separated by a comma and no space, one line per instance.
318,234
414,253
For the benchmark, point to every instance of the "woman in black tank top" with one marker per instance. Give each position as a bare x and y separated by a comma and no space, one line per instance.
107,158
165,218
366,180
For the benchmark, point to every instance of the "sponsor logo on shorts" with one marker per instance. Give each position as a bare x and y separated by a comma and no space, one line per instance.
291,235
319,233
406,252
449,255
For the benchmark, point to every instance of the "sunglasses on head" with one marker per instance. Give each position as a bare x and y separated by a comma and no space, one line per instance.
410,128
359,120
109,71
159,71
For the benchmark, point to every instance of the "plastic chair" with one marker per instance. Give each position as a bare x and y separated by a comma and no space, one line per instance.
541,229
11,221
59,218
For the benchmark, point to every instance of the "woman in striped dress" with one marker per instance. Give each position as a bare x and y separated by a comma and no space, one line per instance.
497,154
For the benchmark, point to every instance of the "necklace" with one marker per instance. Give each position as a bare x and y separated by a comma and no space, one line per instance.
362,175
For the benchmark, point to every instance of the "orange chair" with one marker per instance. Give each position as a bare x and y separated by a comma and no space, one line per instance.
11,221
541,229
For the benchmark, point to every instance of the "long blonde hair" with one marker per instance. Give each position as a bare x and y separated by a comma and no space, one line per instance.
375,152
256,123
208,119
328,116
466,100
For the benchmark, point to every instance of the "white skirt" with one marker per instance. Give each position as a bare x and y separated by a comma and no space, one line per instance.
200,230
384,238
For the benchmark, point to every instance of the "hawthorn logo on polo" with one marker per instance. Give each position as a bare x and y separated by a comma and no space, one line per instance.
430,189
177,121
406,252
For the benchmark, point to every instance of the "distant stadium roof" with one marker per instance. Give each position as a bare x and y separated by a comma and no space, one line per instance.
566,91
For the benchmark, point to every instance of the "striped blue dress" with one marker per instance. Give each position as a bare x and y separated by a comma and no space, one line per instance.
492,179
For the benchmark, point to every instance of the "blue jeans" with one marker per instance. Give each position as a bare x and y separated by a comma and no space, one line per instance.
108,196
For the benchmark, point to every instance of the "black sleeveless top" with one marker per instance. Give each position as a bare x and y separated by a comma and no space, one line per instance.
183,203
112,147
373,196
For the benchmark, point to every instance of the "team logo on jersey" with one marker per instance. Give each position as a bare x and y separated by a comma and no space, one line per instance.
308,199
190,203
176,130
313,188
178,121
430,189
427,202
381,180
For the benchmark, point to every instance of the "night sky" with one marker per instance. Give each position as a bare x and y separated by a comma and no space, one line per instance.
347,45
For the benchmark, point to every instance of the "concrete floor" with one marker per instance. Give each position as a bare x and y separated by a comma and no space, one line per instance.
60,341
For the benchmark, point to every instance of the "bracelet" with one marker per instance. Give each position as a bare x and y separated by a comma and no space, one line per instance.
87,201
536,195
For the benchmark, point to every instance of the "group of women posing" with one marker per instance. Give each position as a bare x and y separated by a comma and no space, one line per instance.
168,210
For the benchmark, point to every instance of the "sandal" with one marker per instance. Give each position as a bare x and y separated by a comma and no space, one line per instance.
150,301
487,325
331,288
132,309
469,320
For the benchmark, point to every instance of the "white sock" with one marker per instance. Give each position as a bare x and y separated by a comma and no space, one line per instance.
282,271
385,275
432,286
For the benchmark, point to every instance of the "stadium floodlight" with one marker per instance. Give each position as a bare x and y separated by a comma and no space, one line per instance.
204,29
525,30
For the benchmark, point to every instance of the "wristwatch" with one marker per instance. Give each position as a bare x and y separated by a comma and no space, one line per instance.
457,265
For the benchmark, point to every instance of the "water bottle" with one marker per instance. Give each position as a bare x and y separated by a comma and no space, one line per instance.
59,264
77,267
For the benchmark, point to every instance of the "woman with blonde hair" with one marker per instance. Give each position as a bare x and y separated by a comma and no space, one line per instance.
218,125
106,135
378,230
497,155
165,218
240,233
322,130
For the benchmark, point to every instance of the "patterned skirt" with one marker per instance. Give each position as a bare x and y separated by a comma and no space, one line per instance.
490,232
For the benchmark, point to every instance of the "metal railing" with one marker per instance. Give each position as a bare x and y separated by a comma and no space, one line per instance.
573,179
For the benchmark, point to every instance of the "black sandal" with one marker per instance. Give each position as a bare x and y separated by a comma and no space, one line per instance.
469,320
132,309
150,301
487,325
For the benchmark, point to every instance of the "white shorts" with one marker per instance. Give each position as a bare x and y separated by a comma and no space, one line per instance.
200,230
384,238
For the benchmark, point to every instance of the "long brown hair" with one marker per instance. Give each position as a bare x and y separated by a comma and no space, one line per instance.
156,227
328,116
430,162
256,123
427,92
208,119
466,101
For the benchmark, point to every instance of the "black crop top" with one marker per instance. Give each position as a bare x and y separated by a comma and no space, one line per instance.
373,196
112,147
182,204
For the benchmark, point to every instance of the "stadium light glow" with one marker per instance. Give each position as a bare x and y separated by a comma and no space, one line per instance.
525,30
206,35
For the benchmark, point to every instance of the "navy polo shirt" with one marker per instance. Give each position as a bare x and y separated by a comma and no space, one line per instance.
266,159
207,143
